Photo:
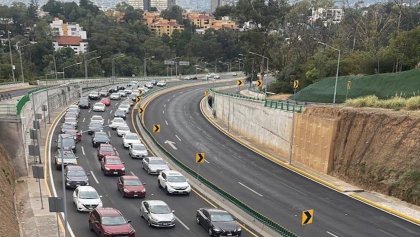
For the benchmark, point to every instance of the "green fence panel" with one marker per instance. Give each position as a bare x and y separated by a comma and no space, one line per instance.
21,103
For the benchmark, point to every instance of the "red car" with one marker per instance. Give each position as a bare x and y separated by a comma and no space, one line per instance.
112,165
131,186
106,150
108,222
106,101
76,134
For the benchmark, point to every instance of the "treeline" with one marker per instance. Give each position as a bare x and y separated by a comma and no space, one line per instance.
384,37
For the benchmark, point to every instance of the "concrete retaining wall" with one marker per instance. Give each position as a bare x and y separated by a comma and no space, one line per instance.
266,126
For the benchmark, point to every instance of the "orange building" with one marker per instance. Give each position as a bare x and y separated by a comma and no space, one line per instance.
224,23
164,26
200,20
150,17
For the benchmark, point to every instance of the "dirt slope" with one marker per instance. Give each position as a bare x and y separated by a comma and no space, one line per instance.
377,150
8,220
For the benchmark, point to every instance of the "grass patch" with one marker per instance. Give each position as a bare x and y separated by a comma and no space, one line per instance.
384,86
395,103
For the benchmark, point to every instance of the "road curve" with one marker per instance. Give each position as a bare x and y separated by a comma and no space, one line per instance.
272,190
184,206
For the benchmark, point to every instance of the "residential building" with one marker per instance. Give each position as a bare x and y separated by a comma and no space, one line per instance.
117,15
69,35
224,23
327,16
164,26
150,17
200,20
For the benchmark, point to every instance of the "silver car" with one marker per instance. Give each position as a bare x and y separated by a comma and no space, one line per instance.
154,165
138,151
157,213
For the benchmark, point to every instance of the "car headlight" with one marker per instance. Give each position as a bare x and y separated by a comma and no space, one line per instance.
106,168
239,229
123,169
216,229
153,219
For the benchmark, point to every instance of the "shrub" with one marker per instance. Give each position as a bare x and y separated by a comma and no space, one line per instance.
395,103
413,103
367,101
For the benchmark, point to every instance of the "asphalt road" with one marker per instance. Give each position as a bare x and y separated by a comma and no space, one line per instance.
184,206
271,190
17,93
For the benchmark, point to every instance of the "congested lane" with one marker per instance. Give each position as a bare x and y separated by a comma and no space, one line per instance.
184,206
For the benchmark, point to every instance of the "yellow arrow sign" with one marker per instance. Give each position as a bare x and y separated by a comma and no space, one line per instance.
259,83
239,82
138,99
348,85
307,217
295,84
200,158
206,93
141,110
156,128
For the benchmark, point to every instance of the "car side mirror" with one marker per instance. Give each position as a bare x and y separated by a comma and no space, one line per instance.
87,174
128,221
77,157
173,211
144,184
100,196
123,162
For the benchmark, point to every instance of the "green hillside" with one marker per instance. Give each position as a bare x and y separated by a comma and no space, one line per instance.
385,85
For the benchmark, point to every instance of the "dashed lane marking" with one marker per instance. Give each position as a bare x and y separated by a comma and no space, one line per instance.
166,122
182,223
250,189
83,151
178,137
94,177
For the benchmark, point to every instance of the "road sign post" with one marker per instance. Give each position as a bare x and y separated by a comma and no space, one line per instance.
38,173
156,128
307,217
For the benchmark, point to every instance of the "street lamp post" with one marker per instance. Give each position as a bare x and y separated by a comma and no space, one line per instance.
20,56
196,64
338,67
85,61
70,66
113,65
145,65
264,57
11,57
215,64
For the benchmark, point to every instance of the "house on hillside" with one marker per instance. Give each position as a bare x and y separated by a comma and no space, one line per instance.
69,36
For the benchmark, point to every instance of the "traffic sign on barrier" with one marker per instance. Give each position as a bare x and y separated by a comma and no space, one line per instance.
138,98
295,84
239,82
200,158
307,217
259,83
156,128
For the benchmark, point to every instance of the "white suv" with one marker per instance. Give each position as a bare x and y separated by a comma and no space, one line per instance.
173,182
130,138
86,198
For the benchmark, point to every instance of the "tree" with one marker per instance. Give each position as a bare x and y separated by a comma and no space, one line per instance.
174,12
225,10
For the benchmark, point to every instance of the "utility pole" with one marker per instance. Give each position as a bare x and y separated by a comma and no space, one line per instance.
11,57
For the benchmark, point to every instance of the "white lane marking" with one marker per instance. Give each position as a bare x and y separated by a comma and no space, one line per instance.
163,111
182,223
385,232
90,110
169,100
110,111
107,121
166,123
94,177
206,161
250,189
109,133
178,137
164,106
132,173
172,144
83,120
332,234
83,151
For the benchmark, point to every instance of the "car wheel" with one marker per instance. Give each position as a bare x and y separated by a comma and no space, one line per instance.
167,191
148,171
160,186
90,227
210,232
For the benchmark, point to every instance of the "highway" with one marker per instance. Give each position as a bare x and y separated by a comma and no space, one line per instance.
268,188
184,206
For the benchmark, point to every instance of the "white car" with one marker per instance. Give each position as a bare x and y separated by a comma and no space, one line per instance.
122,130
122,93
157,213
154,165
94,95
209,75
97,119
99,107
128,91
234,74
115,96
74,107
149,85
216,76
117,122
138,151
161,83
86,198
72,121
173,182
124,107
130,138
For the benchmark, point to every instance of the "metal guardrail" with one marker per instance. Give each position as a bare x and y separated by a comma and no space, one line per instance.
19,106
263,219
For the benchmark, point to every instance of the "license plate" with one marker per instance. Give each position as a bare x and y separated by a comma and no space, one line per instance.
135,195
229,234
115,172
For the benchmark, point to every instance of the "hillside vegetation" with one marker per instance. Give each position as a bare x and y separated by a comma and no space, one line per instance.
384,86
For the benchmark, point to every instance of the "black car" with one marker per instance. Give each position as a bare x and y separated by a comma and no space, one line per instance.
95,127
69,159
75,176
66,142
119,113
113,89
84,103
154,82
218,222
121,87
100,138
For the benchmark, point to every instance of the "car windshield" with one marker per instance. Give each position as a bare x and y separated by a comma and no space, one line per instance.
114,161
160,209
221,217
139,147
101,137
119,112
99,105
106,148
88,195
113,220
98,118
68,141
157,162
131,136
132,182
76,173
123,128
118,120
177,179
67,125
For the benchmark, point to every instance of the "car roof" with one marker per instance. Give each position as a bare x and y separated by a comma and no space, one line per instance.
130,177
113,157
97,116
108,211
74,167
214,211
156,202
155,158
102,145
86,188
